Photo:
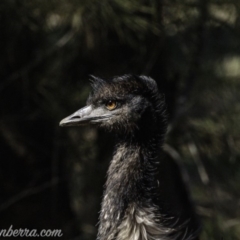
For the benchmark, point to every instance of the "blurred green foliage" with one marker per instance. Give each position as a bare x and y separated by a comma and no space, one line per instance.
52,177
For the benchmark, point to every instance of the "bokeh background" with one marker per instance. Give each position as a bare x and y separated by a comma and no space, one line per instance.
52,178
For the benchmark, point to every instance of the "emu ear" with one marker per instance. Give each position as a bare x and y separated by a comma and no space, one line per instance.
96,82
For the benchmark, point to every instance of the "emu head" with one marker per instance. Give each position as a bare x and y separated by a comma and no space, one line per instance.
122,104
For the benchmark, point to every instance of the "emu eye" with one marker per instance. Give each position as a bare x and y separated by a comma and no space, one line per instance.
110,105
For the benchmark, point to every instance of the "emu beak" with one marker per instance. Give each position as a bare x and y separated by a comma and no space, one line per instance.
80,117
84,116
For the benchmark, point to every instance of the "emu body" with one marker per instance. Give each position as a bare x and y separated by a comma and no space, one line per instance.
144,198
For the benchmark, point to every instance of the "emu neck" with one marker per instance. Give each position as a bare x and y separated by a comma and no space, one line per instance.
132,179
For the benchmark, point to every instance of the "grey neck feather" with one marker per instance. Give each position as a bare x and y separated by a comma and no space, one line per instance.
132,183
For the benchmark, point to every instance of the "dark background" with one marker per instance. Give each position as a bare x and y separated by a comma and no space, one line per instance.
52,178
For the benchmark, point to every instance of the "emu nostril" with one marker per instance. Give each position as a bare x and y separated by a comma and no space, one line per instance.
75,117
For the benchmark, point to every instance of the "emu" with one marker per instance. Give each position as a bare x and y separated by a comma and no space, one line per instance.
144,198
